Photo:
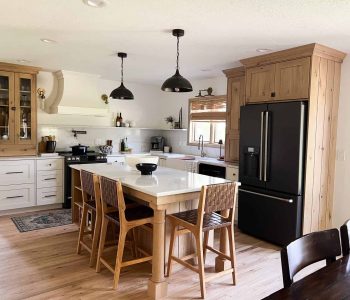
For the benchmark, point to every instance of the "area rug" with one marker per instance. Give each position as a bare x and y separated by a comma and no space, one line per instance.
42,220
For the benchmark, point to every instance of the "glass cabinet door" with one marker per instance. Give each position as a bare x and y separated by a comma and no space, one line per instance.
7,108
25,108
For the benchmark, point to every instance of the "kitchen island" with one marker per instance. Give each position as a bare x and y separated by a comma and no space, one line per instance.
166,191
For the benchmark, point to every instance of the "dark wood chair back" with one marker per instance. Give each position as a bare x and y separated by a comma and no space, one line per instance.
344,233
311,248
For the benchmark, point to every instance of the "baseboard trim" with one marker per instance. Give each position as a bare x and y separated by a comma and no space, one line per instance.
30,209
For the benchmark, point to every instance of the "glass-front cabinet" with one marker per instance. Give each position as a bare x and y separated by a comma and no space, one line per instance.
7,128
25,108
17,110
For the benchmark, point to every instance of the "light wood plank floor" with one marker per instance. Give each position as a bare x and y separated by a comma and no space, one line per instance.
43,265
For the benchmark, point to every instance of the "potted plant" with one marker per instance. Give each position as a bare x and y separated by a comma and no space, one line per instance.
170,120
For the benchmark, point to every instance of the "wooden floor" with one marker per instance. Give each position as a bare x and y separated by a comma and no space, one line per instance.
43,265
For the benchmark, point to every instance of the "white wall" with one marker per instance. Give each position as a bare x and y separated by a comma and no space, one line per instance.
143,110
341,207
149,109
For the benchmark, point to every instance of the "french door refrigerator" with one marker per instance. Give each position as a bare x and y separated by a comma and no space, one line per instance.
272,150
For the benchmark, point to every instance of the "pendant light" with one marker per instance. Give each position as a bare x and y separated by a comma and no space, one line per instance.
122,92
177,83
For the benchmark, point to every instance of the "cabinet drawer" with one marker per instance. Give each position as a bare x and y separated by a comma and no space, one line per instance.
14,196
16,172
112,159
49,178
232,173
49,164
49,195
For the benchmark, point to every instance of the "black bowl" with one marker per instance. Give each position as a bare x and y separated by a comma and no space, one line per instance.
146,169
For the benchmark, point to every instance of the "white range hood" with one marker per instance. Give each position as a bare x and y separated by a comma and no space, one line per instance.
76,93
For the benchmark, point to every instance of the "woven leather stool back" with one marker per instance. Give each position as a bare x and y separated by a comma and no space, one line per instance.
219,197
109,193
87,183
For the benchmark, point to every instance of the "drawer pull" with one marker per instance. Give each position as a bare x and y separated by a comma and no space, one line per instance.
49,196
49,165
234,174
14,197
14,172
51,178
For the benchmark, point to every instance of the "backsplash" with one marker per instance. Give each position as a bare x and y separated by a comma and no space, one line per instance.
138,139
177,139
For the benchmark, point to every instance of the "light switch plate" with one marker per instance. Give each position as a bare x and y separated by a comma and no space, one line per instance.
341,155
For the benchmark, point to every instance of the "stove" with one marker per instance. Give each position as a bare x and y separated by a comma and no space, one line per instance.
69,159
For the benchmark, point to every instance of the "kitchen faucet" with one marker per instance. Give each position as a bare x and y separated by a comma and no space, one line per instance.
201,146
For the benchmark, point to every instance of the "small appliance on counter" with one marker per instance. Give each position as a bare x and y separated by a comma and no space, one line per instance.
157,143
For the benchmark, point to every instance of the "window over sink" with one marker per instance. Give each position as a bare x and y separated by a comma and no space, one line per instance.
207,117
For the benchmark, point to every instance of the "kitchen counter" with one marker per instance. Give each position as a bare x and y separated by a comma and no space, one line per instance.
35,157
182,156
163,182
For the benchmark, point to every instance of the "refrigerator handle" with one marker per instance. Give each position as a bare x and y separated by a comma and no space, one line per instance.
261,145
266,144
290,200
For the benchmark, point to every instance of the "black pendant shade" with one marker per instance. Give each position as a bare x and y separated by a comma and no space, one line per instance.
177,83
122,92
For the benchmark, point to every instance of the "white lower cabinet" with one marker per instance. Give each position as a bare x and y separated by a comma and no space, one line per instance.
49,181
28,182
17,196
49,195
181,164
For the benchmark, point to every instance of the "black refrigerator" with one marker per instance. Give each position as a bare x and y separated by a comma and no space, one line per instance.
271,170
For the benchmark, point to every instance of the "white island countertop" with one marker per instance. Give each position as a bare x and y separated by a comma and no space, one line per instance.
163,182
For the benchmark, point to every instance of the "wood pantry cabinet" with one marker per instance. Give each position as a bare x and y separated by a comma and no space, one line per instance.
280,81
310,72
18,134
235,99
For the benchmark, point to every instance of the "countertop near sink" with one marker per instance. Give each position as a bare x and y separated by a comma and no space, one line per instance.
182,156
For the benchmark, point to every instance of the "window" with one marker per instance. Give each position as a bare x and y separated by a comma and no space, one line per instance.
207,117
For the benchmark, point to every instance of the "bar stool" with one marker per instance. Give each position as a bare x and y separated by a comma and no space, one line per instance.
91,203
215,197
127,218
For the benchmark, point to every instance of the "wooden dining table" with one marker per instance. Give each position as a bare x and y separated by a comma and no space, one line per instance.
161,190
329,282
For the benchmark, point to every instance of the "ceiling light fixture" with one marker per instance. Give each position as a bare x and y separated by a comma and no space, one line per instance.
177,83
263,50
48,41
95,3
122,92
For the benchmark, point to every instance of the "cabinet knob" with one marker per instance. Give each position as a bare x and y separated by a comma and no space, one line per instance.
13,108
234,174
273,94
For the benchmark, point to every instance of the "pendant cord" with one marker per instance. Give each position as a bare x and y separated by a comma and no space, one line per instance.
177,54
122,69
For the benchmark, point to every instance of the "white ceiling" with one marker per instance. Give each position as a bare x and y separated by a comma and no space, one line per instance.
217,33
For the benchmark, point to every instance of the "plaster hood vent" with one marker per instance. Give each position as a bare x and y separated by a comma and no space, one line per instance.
76,93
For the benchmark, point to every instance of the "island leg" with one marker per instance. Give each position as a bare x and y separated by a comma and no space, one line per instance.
157,285
222,264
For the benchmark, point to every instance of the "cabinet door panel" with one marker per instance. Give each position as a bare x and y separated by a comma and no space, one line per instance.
235,99
292,79
25,116
7,125
260,82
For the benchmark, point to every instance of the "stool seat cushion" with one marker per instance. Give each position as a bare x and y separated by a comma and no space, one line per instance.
132,214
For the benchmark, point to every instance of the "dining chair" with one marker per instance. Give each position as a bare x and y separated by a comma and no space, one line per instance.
309,249
344,234
126,218
213,198
91,203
